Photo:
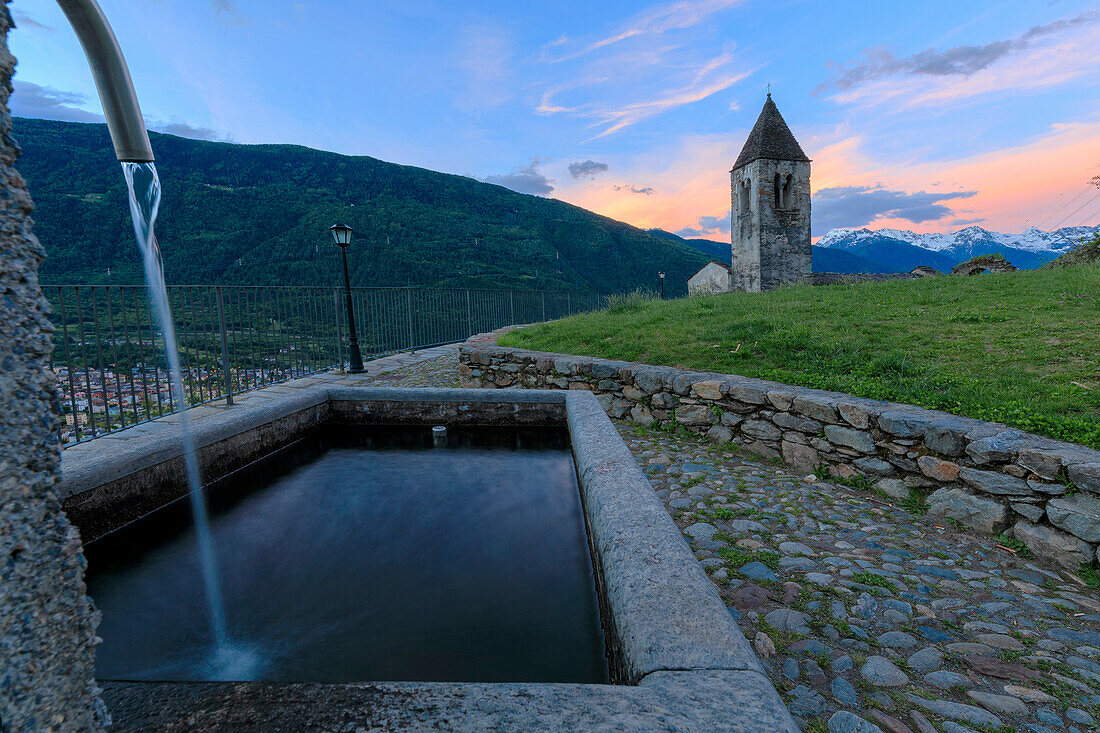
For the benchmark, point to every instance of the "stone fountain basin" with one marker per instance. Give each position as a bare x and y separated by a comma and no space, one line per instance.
678,660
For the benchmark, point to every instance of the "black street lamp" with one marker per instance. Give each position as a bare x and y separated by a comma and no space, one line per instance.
341,234
662,276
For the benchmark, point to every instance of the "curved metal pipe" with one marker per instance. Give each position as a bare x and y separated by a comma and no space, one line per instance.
112,79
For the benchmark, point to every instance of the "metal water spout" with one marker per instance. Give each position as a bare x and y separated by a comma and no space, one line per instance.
112,79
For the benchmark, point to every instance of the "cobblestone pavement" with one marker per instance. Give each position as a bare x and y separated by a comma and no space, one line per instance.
867,617
441,371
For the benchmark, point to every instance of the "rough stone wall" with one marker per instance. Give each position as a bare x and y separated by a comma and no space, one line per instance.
47,623
982,475
836,278
770,244
713,278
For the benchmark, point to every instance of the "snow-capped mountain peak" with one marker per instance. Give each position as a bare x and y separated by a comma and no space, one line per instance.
895,247
1031,240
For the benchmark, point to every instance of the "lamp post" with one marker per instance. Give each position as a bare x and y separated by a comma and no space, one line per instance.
341,234
662,276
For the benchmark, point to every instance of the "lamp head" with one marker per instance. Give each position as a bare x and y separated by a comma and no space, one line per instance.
341,234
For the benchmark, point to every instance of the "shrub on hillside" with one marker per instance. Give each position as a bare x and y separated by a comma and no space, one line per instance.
623,302
1086,252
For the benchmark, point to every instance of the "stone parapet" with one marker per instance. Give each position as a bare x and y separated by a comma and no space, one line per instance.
982,475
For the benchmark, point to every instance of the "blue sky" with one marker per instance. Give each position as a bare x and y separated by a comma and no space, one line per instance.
928,116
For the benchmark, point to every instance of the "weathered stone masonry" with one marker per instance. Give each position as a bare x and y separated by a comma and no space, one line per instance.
983,475
47,624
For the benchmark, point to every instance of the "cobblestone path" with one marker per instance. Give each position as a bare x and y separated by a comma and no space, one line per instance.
868,617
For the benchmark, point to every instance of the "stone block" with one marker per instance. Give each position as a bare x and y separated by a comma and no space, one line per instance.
1053,544
818,407
719,435
849,438
665,400
855,415
760,430
800,457
707,390
946,437
649,380
992,482
821,445
938,469
641,415
695,415
762,449
969,509
564,366
619,408
1078,514
1043,463
730,419
633,394
1085,475
787,421
605,369
895,488
781,399
903,424
795,437
681,383
749,395
1000,448
1030,512
874,466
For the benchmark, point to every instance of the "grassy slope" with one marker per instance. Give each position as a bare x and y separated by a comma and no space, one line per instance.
1021,348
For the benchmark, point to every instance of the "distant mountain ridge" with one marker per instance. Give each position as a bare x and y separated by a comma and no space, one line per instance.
259,214
900,247
824,260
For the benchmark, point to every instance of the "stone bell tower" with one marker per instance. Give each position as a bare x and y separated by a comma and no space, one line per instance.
770,185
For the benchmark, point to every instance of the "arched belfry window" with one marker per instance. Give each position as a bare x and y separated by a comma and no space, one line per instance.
782,189
743,203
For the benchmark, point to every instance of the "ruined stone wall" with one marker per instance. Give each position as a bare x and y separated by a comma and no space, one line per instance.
838,278
47,624
770,244
982,475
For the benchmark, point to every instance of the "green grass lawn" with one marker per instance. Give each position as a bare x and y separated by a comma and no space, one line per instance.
1020,348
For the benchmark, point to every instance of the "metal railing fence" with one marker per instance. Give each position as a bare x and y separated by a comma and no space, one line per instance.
109,353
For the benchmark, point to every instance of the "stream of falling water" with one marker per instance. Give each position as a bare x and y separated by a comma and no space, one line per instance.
228,661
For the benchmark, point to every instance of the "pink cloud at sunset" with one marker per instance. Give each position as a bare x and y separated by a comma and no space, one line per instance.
1006,190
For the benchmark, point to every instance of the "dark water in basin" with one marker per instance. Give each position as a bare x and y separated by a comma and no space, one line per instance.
366,556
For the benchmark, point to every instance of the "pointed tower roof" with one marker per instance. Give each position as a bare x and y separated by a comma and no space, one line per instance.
770,138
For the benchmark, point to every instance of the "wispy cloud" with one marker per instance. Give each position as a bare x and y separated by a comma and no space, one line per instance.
524,179
636,190
485,55
855,206
660,59
653,21
587,168
228,11
39,102
22,20
1044,55
708,227
32,100
183,129
694,82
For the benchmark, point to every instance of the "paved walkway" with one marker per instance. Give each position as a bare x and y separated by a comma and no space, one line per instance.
867,617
